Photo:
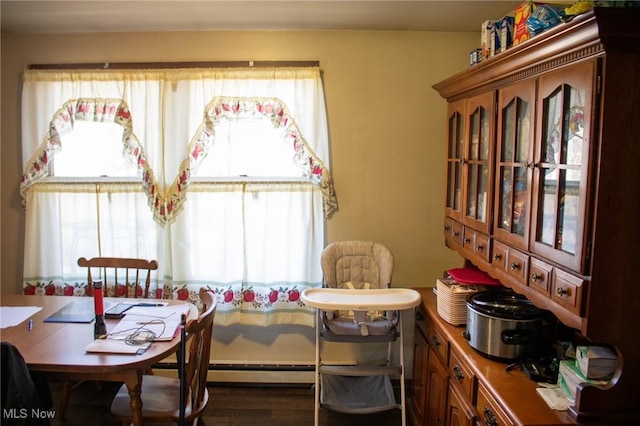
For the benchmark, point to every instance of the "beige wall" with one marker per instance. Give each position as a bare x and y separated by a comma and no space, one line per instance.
387,125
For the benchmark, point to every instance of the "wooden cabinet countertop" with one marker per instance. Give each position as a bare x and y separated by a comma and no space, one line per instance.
513,390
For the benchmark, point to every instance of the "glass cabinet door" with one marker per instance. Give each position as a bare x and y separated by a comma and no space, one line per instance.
514,163
478,161
562,164
455,141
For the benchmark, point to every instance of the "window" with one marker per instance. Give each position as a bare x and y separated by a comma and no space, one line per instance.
249,147
89,140
235,201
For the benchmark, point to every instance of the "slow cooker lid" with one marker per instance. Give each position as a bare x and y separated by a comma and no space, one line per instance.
503,305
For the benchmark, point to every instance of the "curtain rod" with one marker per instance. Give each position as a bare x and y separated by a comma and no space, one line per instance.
160,65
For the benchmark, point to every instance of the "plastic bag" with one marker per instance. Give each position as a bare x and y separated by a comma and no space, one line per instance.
544,17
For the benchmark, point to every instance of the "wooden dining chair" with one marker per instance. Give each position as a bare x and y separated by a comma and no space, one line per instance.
130,277
161,395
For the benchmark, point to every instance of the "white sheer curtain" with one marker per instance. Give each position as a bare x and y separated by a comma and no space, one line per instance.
255,240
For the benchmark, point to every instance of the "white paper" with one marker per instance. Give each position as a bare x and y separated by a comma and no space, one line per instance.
163,329
555,397
142,313
10,316
116,347
163,322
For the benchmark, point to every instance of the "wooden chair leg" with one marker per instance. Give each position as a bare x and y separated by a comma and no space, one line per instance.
64,400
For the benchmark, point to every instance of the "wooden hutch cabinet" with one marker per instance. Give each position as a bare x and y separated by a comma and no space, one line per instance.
543,193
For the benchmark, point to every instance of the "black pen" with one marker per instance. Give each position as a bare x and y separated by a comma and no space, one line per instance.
149,304
30,324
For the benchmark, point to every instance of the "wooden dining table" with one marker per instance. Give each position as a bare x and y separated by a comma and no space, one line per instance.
58,348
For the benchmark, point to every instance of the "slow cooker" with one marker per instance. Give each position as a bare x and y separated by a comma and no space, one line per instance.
503,325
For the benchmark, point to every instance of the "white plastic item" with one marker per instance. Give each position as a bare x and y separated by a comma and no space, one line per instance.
359,389
330,299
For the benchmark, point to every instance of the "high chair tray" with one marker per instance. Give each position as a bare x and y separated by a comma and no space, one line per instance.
361,300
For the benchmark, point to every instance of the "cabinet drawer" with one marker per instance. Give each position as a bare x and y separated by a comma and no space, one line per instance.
567,291
499,258
438,342
477,244
482,247
468,238
461,374
517,265
452,232
540,276
459,411
489,411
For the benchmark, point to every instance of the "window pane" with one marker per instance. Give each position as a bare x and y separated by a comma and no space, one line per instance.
249,147
522,146
485,143
508,139
505,200
552,138
472,194
474,125
549,209
483,188
91,150
568,223
520,201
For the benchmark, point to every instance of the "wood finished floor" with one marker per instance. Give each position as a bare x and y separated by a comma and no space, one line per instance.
229,405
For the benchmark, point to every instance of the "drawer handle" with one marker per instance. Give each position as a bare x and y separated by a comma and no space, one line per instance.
479,247
455,234
436,340
497,257
562,291
489,417
515,266
446,228
535,277
458,373
467,241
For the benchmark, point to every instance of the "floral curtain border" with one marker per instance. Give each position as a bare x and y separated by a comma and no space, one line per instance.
167,205
275,304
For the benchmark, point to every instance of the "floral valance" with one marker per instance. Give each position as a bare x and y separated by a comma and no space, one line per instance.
166,204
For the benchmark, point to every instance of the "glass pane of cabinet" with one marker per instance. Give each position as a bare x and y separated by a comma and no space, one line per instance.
478,156
514,162
477,161
562,139
562,165
455,151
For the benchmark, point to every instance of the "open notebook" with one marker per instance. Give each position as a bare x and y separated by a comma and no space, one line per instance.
140,326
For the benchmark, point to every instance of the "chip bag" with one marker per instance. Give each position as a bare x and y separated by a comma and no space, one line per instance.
543,17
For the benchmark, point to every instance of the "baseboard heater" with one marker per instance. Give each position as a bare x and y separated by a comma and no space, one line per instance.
243,367
289,374
259,374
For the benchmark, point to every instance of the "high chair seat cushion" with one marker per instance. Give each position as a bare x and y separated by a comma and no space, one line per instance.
345,325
